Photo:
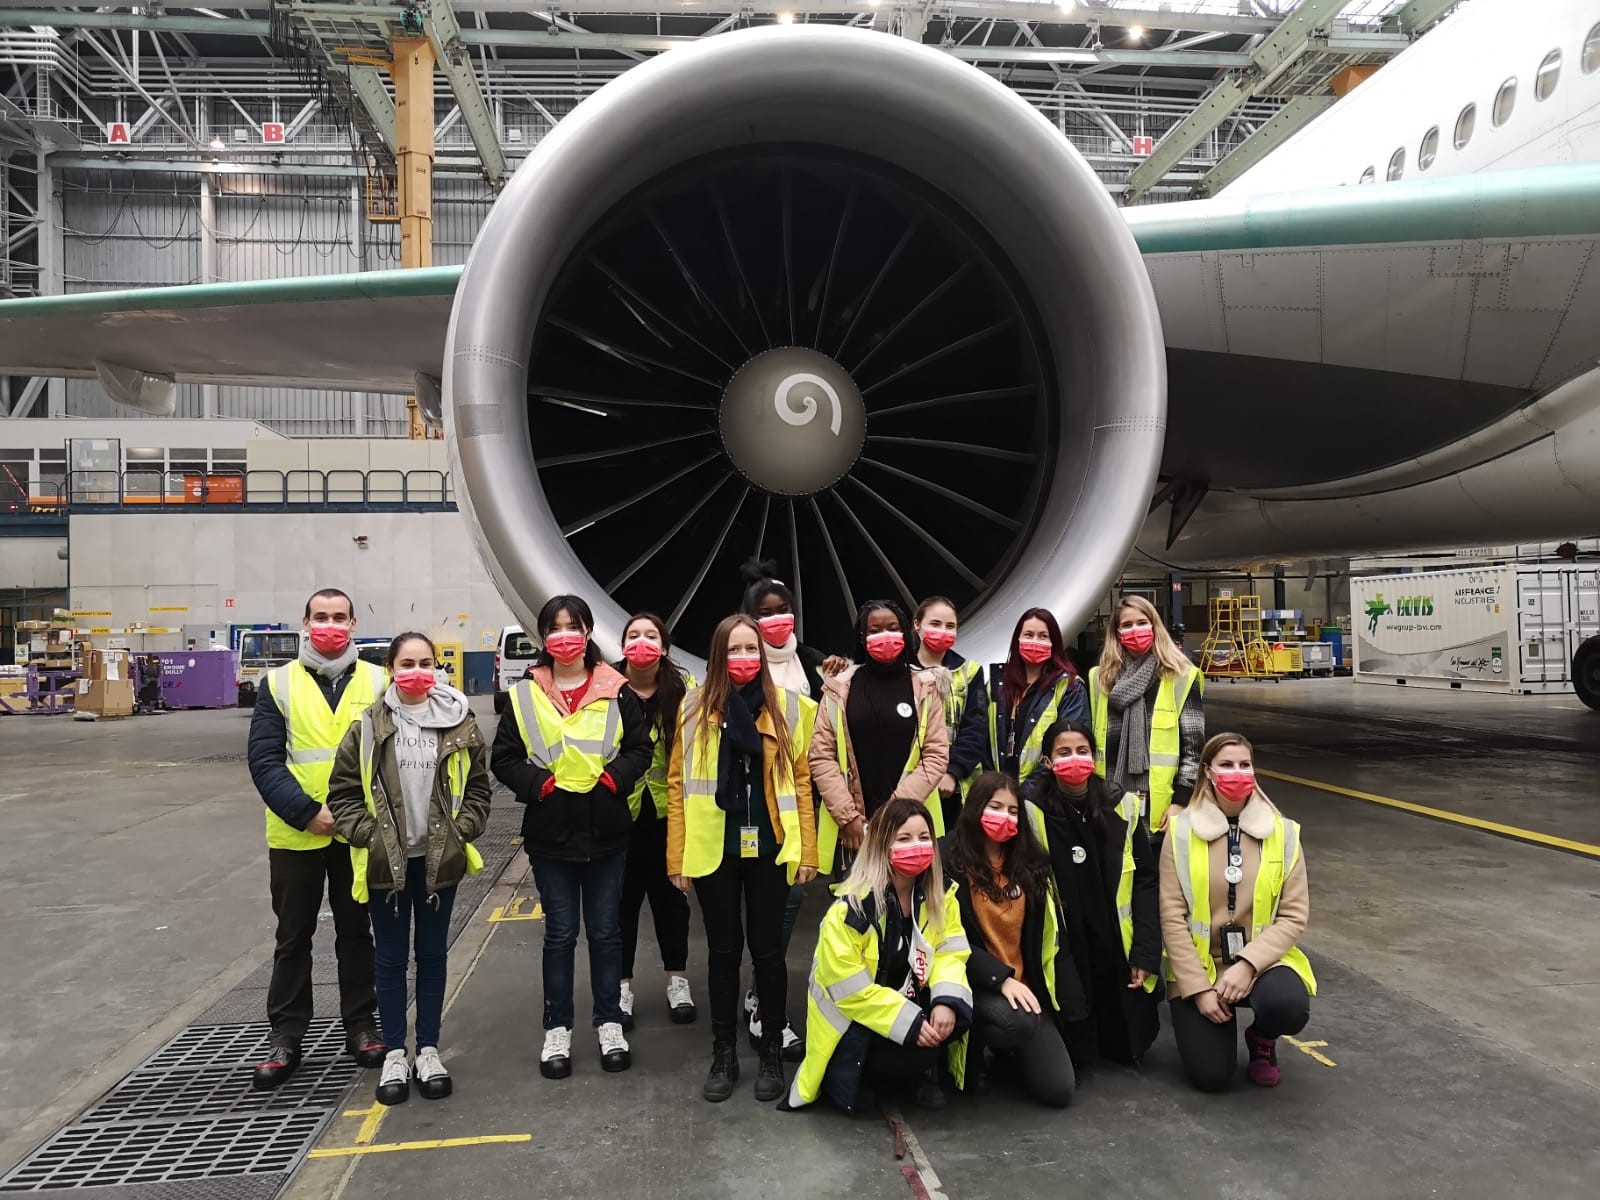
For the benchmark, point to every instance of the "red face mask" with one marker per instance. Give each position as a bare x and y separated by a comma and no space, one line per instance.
886,647
1000,826
641,652
415,682
1073,770
1235,785
566,645
1035,652
329,638
911,858
938,640
1138,639
742,668
777,628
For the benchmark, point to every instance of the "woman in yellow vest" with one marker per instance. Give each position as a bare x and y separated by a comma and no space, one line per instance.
740,830
964,691
660,685
889,978
1036,686
410,793
1234,906
1023,987
1107,878
572,745
880,735
1145,697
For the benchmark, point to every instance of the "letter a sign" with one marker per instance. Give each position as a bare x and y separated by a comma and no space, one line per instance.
117,134
272,131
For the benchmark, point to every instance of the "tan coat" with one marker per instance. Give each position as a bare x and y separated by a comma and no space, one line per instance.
1294,904
843,797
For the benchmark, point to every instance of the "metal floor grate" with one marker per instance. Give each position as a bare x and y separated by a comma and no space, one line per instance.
155,1095
212,1047
120,1155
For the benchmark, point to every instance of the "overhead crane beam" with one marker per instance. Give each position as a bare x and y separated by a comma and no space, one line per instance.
445,32
1268,60
1284,124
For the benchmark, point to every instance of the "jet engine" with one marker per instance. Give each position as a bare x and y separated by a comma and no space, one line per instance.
817,295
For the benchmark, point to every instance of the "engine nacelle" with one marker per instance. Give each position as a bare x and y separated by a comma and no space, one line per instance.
817,293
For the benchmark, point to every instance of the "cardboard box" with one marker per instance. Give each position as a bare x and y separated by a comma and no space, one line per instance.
105,697
108,664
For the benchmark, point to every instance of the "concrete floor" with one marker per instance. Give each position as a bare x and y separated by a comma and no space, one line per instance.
1458,1000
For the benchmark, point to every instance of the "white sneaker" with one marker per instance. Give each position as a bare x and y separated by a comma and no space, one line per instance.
680,1003
433,1081
750,1002
555,1060
614,1054
625,1001
394,1085
794,1046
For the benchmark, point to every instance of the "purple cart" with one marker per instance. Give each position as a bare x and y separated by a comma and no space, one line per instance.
198,679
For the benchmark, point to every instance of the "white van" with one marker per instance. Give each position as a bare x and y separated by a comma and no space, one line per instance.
512,658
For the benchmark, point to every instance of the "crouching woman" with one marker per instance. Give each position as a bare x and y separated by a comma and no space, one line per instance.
889,978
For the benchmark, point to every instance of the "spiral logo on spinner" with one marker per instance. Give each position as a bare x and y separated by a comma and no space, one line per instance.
807,413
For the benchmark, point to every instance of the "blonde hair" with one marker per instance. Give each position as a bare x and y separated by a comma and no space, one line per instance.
1214,746
1113,657
869,874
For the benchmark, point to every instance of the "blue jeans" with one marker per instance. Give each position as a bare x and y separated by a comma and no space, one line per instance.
596,886
392,914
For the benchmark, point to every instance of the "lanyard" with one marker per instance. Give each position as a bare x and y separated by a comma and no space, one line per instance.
1234,869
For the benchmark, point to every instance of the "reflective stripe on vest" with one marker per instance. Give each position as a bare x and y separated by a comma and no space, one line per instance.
955,711
1166,742
705,824
1191,857
313,737
1033,747
575,748
655,779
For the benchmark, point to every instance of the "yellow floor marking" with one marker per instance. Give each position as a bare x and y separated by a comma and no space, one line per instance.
439,1144
513,911
1310,1049
1526,835
369,1126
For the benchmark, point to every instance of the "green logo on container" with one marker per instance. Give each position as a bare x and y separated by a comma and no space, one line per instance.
1404,606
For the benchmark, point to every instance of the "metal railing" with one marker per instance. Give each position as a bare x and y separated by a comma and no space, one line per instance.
300,489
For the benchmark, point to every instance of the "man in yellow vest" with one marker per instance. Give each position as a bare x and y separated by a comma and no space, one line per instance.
302,711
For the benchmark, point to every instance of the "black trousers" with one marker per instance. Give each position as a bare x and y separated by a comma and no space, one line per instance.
645,875
1210,1052
760,886
297,878
1041,1055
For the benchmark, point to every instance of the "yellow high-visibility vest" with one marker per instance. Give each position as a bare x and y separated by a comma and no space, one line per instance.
1166,744
955,710
1033,747
315,732
455,764
1128,810
576,748
655,779
827,830
1191,855
705,824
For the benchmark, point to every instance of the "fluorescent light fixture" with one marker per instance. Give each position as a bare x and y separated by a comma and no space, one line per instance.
1136,33
217,143
786,18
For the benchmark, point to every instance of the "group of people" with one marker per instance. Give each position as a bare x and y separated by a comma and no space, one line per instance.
1022,860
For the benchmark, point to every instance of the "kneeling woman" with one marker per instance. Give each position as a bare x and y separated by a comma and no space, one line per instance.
410,793
1106,874
889,978
1234,906
1020,982
741,827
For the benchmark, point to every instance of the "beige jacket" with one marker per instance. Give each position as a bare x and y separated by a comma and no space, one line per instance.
843,795
1294,903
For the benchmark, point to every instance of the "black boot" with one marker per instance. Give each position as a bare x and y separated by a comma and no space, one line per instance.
928,1093
281,1062
769,1073
724,1073
366,1047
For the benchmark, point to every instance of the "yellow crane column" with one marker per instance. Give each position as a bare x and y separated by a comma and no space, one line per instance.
412,69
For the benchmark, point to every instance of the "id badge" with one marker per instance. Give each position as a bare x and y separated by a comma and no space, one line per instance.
749,841
1233,942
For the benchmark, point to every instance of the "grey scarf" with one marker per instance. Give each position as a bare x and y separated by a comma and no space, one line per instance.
1128,699
318,663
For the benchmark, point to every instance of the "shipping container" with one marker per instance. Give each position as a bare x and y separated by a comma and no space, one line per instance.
1511,628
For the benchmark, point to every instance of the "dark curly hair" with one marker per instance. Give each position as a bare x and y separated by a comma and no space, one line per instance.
1023,860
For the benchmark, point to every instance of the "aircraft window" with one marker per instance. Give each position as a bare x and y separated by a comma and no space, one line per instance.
1429,150
1397,164
1504,101
1549,75
1591,51
1464,124
1368,175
